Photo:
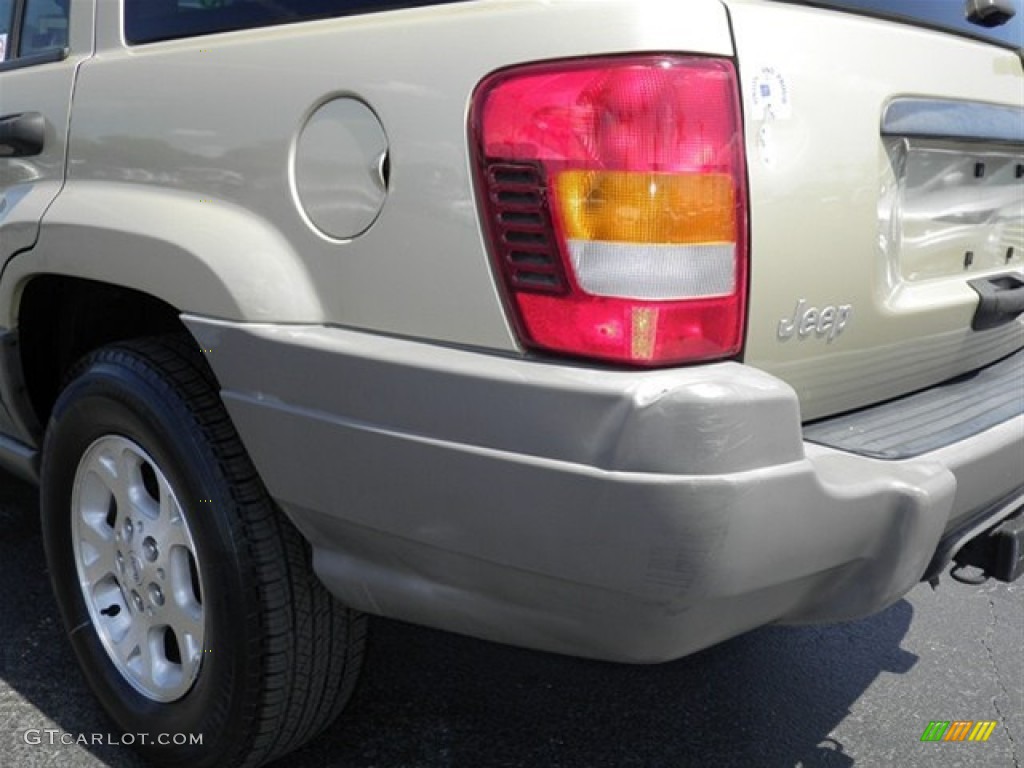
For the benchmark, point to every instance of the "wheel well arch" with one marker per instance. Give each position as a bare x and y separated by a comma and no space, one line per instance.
62,318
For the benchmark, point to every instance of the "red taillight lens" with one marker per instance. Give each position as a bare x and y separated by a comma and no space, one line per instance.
615,201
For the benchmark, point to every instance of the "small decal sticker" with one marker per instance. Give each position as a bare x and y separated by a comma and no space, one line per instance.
769,95
3,46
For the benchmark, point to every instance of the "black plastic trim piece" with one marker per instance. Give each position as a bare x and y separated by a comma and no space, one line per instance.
1001,300
14,395
46,57
931,419
19,459
14,40
958,120
999,552
22,135
988,519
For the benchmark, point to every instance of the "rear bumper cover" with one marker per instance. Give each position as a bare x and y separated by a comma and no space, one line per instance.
623,515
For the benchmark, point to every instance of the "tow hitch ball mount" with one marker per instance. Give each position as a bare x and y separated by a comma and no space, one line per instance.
998,553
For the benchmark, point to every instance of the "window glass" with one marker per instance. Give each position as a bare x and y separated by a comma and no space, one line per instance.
146,21
949,15
45,27
6,15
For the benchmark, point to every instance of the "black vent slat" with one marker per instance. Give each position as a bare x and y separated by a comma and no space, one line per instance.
538,259
524,175
522,218
515,197
518,197
521,236
537,280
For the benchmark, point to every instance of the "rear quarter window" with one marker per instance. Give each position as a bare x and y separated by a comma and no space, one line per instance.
148,21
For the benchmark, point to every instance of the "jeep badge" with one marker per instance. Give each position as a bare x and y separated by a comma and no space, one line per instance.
824,323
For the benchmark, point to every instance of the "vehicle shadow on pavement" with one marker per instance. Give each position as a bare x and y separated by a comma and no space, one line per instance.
769,698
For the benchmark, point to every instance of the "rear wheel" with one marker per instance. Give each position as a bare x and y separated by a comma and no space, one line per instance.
189,599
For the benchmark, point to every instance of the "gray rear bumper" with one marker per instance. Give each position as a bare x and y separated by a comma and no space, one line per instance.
625,515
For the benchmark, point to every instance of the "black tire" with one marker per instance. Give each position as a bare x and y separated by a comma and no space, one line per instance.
280,657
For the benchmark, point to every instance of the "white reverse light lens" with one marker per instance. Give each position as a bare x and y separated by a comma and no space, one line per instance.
653,271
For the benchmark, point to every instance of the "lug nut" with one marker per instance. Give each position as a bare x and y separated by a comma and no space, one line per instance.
149,549
156,596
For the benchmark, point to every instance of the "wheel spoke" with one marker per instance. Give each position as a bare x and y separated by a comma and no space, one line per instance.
106,468
96,544
97,533
168,527
126,464
142,505
185,619
145,509
98,565
183,590
134,649
187,624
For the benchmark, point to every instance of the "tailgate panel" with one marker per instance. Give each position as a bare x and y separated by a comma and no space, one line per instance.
873,226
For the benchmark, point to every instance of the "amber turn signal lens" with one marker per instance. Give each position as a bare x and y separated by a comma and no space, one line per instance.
629,207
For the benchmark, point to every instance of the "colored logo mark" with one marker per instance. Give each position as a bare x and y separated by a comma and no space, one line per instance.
959,730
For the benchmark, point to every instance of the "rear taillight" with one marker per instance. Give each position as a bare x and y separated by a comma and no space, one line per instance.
615,203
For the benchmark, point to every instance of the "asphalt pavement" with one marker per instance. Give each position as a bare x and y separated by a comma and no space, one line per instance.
859,694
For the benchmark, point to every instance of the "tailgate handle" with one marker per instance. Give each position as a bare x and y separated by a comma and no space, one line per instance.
22,135
1001,300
